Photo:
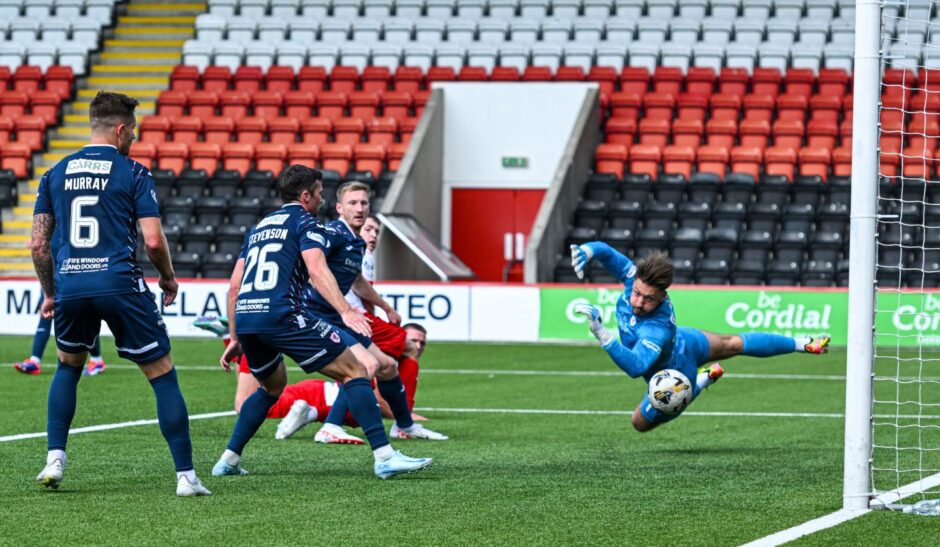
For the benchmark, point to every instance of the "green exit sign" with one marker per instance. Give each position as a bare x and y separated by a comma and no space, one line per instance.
516,162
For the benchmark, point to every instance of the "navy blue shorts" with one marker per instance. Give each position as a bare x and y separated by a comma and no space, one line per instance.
139,332
694,354
311,347
336,320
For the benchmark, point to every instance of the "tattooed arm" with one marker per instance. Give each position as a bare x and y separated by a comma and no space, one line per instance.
43,224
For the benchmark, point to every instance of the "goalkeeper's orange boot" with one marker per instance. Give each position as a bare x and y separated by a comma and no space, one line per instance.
817,345
708,375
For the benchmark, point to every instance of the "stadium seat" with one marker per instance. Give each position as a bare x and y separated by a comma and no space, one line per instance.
363,105
686,132
216,78
45,104
267,104
747,159
316,130
754,133
620,131
234,103
678,160
395,154
270,157
759,107
644,160
336,157
821,134
788,133
654,131
237,156
692,106
6,129
218,129
224,184
382,131
205,156
396,104
283,130
348,130
721,132
16,156
191,184
780,161
814,162
725,106
144,153
154,129
31,131
13,103
202,104
251,129
610,158
713,159
626,105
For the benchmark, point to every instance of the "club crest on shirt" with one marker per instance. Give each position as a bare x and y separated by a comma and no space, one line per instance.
334,336
633,321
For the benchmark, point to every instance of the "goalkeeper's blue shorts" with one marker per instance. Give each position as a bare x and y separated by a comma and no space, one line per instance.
692,353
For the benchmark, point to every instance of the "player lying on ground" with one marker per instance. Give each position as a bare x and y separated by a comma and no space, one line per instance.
345,252
33,364
282,254
83,244
650,341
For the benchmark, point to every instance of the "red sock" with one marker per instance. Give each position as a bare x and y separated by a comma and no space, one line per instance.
408,371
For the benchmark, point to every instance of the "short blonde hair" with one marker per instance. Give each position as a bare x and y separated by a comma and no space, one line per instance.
352,186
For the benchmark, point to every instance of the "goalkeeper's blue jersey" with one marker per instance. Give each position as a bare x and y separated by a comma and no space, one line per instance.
96,196
344,253
656,330
275,275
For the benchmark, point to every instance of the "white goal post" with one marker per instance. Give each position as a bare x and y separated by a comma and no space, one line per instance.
892,415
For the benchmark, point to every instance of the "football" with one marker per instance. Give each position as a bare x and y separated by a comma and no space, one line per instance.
670,391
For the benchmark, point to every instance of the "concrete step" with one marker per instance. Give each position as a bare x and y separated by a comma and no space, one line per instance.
183,21
139,58
18,227
129,83
81,107
161,2
15,253
139,94
20,269
131,45
22,212
131,70
161,32
14,241
166,8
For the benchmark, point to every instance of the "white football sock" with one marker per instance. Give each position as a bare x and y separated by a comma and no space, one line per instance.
311,415
34,358
230,457
190,475
54,455
801,343
702,380
384,453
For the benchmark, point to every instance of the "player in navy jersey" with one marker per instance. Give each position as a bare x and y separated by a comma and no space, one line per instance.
268,318
650,341
344,255
83,245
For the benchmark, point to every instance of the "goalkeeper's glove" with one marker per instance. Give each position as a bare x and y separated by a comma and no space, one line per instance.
580,256
595,323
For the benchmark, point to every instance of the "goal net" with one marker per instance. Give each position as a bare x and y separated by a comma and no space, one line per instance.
904,464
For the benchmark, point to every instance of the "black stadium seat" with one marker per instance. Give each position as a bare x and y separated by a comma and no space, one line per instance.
650,240
764,216
224,183
591,213
738,188
218,265
818,273
564,273
695,214
603,187
756,245
176,211
258,184
782,272
670,188
187,264
685,271
625,214
578,236
244,211
748,272
192,183
712,272
211,211
636,188
703,188
229,238
686,244
619,238
661,215
197,239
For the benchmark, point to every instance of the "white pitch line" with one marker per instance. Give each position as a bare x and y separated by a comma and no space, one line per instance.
807,528
898,494
120,425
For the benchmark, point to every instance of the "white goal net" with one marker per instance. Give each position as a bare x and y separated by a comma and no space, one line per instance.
905,409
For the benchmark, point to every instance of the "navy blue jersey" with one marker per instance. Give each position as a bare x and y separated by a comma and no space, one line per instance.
96,196
344,251
275,275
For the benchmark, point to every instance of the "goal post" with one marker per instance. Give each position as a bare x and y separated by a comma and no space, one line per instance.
892,411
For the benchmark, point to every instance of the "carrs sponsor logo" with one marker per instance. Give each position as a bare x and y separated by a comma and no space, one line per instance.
771,313
97,167
921,318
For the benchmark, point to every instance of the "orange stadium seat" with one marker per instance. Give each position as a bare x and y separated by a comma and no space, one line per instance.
154,129
927,78
370,157
331,104
303,154
747,160
396,104
382,131
733,81
536,74
344,78
687,132
678,160
218,129
766,81
395,153
15,156
205,155
60,79
815,162
834,82
270,156
799,81
658,106
845,133
216,78
721,132
186,129
847,106
654,131
337,157
725,106
667,79
792,107
408,79
406,127
5,77
279,78
700,80
202,104
441,74
780,161
248,78
634,79
918,163
172,103
251,129
825,107
31,131
234,103
184,78
13,103
284,130
505,74
788,134
889,163
620,131
348,130
713,159
892,109
316,130
27,78
144,153
604,76
299,104
610,158
923,132
6,129
312,79
237,156
754,133
173,156
759,107
376,79
267,104
364,105
842,162
821,134
625,105
644,159
692,106
570,74
472,74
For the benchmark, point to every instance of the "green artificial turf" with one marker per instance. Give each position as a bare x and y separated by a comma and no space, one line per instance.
504,477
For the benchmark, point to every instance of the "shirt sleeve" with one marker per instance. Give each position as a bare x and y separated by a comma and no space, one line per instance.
613,260
145,194
312,234
637,361
43,201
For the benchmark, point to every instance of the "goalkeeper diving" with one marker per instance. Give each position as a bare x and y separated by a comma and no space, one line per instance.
650,340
